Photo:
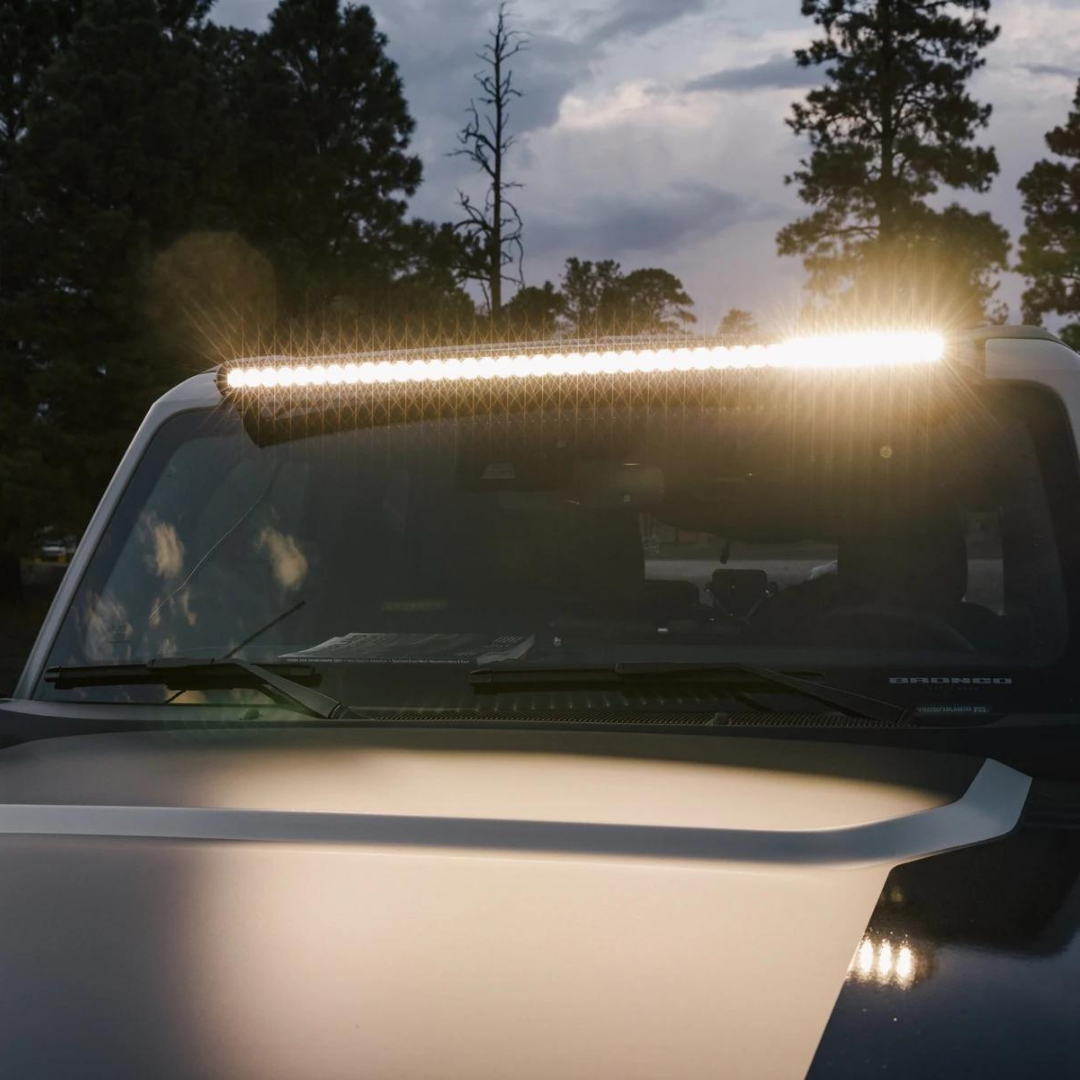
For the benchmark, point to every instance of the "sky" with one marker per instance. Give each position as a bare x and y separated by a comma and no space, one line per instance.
652,131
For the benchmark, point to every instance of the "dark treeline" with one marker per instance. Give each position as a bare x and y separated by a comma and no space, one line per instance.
173,192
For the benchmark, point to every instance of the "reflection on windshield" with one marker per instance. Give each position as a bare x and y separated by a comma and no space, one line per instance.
290,566
741,528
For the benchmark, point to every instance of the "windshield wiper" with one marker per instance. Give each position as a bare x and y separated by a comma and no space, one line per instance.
177,673
512,675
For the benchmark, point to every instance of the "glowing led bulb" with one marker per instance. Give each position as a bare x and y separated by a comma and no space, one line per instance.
865,957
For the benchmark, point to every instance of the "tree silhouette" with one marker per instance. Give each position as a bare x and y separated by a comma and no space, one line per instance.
1050,246
32,33
586,289
737,323
651,301
118,154
599,298
494,226
534,312
325,169
892,125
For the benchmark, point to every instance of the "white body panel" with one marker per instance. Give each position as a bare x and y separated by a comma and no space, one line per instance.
452,905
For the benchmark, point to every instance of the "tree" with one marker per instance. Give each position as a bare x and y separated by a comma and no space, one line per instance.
32,34
892,125
495,225
588,290
737,323
325,170
1050,246
534,312
120,157
598,298
650,301
173,190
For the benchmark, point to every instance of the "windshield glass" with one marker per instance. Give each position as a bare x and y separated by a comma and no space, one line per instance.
821,522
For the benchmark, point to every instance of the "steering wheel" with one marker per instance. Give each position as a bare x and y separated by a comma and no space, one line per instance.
935,630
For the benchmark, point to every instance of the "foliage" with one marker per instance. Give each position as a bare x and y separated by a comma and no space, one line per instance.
1070,334
1050,246
737,322
324,168
598,299
890,127
589,290
534,312
176,191
116,157
32,32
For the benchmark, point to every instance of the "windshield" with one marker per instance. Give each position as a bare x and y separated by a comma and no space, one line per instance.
891,524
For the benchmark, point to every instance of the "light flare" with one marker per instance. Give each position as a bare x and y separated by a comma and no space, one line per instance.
863,350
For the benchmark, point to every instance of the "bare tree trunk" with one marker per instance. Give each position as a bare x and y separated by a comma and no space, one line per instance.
886,200
496,181
494,226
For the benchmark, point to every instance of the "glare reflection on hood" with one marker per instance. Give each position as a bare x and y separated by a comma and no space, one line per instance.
886,962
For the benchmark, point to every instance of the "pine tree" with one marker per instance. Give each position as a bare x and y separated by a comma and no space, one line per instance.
119,159
893,124
649,301
324,166
32,34
588,291
534,312
1050,246
598,298
737,322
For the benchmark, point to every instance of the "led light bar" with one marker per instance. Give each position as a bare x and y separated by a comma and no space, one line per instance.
831,351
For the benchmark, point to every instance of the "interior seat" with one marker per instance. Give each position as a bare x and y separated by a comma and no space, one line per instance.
918,567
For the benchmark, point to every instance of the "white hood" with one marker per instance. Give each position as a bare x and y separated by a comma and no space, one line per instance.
451,905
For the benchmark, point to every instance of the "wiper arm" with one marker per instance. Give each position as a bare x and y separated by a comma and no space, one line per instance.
520,675
277,680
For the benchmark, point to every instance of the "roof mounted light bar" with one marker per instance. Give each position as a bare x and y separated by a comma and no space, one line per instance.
572,359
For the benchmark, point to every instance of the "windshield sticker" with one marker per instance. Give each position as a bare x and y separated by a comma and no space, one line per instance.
952,710
950,680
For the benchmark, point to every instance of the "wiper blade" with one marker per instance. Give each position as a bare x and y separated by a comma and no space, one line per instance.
519,675
178,673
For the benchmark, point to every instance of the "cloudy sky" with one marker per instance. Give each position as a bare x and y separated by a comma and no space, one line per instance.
652,131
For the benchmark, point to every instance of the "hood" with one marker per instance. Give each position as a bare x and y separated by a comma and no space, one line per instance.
452,904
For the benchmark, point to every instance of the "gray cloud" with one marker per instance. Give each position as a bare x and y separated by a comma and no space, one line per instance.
634,18
439,82
252,14
617,224
1052,69
777,73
